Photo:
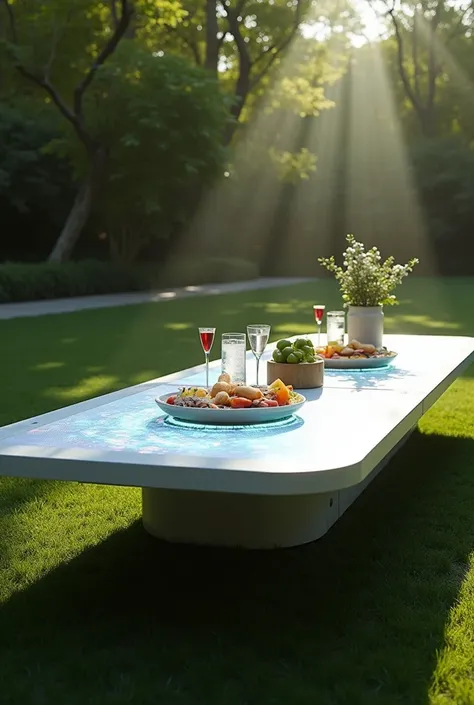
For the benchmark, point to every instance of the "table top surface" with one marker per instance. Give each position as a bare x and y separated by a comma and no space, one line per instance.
335,440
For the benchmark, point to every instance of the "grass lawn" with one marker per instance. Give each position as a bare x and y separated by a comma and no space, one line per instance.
95,612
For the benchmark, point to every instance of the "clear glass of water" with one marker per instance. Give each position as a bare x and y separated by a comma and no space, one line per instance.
233,356
336,325
258,335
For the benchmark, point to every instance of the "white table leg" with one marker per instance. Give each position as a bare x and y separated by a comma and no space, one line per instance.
248,521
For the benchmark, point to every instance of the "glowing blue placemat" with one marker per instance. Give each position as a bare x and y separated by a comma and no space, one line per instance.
136,424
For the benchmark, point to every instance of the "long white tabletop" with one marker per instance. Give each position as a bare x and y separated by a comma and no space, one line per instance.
335,441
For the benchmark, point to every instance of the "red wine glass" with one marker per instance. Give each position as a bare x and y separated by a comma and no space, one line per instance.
207,338
318,310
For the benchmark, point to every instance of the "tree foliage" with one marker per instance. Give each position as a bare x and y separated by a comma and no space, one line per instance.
138,95
161,122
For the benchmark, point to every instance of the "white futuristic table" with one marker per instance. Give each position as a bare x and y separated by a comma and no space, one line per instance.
262,486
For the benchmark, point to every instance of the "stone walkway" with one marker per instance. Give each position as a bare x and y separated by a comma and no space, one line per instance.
54,306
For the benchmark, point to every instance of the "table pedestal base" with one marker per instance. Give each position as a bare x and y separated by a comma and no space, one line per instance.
245,520
240,520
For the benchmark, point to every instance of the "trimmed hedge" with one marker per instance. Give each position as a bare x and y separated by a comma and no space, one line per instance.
32,282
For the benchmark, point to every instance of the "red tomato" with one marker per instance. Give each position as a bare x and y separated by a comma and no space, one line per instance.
240,403
170,400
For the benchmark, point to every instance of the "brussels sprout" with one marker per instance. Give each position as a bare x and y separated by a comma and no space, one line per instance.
282,344
287,351
292,359
277,356
299,343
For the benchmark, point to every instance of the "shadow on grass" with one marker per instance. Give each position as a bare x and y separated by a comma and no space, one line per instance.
356,617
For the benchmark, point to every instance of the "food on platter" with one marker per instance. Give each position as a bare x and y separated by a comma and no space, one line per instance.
222,387
294,353
235,396
355,350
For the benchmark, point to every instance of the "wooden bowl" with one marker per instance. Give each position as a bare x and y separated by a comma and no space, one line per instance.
304,375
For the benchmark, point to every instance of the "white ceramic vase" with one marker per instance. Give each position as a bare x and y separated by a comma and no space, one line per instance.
365,324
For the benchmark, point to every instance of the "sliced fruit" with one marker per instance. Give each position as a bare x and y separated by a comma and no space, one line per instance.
281,392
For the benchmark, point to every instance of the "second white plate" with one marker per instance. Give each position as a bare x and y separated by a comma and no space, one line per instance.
360,363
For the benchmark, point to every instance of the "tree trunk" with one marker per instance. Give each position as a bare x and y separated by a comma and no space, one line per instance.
212,42
427,119
242,90
80,212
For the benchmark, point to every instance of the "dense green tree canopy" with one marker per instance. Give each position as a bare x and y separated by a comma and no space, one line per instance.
152,92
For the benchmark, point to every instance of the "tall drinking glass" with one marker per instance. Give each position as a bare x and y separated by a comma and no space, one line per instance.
258,335
335,324
207,338
233,356
318,310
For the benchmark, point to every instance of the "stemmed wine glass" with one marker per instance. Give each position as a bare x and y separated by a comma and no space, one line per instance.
207,338
258,335
318,310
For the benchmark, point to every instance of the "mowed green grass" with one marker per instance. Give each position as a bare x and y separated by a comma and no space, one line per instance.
93,611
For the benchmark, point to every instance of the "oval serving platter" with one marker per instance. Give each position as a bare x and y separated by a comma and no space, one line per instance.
229,417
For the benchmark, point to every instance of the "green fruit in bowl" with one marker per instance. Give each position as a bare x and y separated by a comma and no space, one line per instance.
287,351
292,359
299,343
282,344
299,354
277,356
310,358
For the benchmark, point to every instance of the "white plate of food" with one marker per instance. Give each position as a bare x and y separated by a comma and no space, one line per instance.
232,405
355,356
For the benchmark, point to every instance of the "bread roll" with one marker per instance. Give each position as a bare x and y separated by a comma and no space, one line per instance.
248,392
347,352
222,399
221,387
368,348
224,377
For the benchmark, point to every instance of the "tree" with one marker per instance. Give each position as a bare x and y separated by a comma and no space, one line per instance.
34,185
25,61
423,30
242,41
161,121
